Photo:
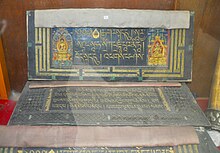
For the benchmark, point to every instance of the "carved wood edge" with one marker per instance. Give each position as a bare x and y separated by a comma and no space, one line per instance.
56,84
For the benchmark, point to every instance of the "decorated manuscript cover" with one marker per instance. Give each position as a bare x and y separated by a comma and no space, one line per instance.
108,53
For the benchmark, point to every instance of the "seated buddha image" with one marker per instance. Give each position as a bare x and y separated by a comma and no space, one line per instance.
62,50
158,50
157,54
62,45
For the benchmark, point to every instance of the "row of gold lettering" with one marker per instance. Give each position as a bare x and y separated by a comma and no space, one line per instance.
102,94
116,34
98,59
105,100
105,45
98,106
103,151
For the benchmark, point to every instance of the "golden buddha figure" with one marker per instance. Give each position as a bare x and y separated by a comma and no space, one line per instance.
62,50
157,52
62,45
